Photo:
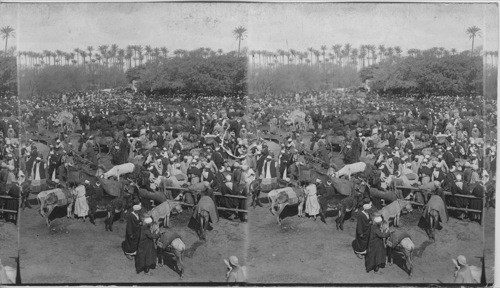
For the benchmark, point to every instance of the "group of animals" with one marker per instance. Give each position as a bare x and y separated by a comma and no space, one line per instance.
351,196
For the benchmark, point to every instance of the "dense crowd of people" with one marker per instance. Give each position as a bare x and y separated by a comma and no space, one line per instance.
434,144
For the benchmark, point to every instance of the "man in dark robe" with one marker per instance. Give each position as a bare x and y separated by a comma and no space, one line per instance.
4,174
448,157
392,139
314,139
62,173
356,148
260,163
159,140
376,255
132,233
177,146
91,153
236,177
360,243
146,252
217,157
53,162
124,150
284,162
325,193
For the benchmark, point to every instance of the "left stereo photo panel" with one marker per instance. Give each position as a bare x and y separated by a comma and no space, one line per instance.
12,178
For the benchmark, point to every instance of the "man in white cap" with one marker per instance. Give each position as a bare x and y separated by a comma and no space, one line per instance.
132,232
235,273
360,243
464,272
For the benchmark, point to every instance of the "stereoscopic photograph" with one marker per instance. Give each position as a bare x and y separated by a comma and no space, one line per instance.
260,143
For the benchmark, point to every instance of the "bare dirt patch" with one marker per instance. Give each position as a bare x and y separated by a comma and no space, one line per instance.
71,251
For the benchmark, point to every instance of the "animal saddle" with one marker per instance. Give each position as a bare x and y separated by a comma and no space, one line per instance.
396,237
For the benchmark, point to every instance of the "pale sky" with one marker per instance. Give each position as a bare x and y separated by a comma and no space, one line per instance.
414,25
270,26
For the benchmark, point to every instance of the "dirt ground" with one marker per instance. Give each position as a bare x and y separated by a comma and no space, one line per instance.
72,251
322,254
8,243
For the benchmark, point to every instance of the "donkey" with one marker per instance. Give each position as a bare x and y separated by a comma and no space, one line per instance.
399,241
434,211
171,244
287,196
203,212
50,199
344,204
394,210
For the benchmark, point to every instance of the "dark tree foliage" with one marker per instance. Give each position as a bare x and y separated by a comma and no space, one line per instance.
61,79
193,75
300,78
491,82
8,76
427,75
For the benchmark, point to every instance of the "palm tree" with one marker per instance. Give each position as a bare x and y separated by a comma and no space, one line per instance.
98,58
293,54
398,50
323,52
362,54
346,52
90,49
337,51
311,49
354,56
239,33
113,50
156,53
453,51
381,51
120,55
59,54
54,55
7,32
77,52
46,53
317,54
473,32
149,50
84,55
128,56
103,49
390,52
164,51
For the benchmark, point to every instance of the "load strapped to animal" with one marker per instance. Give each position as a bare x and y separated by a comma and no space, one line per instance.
65,118
297,117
